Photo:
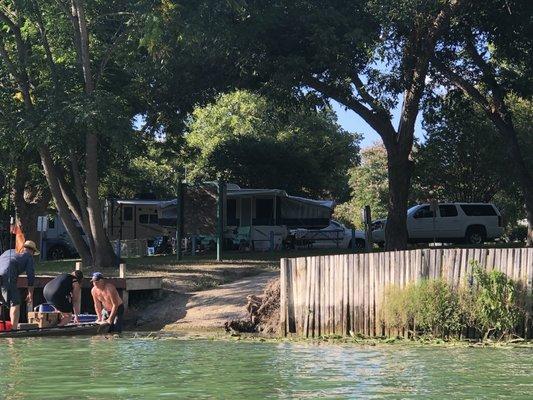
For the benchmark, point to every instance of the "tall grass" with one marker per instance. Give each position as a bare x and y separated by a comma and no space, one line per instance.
489,303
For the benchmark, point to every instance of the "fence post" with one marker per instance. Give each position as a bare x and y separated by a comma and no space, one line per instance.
78,266
220,218
122,270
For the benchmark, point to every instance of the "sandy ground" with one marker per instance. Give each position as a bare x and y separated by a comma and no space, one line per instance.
203,310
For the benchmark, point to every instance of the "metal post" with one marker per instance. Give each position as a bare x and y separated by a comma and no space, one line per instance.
353,240
271,239
179,222
220,218
119,242
368,229
193,245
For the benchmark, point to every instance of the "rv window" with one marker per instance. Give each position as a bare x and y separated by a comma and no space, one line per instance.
264,212
231,210
127,214
148,219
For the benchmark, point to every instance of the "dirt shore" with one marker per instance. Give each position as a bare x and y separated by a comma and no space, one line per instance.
203,310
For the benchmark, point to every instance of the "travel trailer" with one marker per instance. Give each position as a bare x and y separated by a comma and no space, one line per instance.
255,218
123,220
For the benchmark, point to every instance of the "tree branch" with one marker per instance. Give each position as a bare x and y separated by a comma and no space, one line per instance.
464,85
422,43
487,73
365,95
109,52
381,125
46,44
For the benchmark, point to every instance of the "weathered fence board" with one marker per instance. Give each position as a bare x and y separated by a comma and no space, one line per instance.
343,294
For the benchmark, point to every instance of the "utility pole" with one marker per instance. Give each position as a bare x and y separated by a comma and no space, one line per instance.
179,222
220,218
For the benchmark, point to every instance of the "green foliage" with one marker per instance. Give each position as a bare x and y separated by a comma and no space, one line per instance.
490,302
496,302
254,142
435,308
463,157
143,169
428,307
368,186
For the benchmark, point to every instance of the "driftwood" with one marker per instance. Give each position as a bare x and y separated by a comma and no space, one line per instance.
263,312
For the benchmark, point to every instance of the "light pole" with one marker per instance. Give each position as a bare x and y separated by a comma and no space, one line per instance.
179,221
220,218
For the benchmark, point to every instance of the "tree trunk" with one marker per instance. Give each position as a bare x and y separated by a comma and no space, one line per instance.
399,173
64,212
29,204
105,256
523,176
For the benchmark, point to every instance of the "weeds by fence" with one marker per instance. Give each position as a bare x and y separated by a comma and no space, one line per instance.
343,294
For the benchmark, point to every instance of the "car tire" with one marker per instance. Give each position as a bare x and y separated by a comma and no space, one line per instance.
57,253
475,235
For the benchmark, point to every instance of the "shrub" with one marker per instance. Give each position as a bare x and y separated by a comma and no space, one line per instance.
396,310
489,302
428,307
494,303
435,308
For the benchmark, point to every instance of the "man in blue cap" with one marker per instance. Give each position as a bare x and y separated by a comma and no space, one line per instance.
107,303
13,264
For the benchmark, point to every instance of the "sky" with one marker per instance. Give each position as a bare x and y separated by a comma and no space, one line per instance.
352,122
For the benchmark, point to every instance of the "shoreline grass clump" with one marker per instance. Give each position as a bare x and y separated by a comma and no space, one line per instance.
485,305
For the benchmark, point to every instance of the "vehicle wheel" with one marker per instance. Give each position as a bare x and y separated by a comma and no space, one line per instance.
475,235
57,253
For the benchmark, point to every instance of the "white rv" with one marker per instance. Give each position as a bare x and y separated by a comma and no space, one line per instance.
258,218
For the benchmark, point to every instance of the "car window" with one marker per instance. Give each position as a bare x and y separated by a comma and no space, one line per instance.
448,210
423,212
478,210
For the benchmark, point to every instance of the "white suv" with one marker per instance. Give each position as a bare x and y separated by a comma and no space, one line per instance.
472,223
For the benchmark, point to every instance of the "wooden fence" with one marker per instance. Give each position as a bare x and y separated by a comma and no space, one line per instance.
333,295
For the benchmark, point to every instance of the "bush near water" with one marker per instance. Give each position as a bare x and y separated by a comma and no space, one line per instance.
487,303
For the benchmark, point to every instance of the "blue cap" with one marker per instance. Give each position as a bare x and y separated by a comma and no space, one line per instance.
97,276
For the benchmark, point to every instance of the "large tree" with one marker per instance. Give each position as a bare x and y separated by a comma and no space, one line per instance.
363,54
487,55
61,62
252,141
460,158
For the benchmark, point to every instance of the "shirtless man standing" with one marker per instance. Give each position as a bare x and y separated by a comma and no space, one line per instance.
108,302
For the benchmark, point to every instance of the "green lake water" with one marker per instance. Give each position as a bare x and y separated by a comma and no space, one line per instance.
130,368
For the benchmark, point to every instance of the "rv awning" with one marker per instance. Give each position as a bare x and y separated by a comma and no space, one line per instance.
255,192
